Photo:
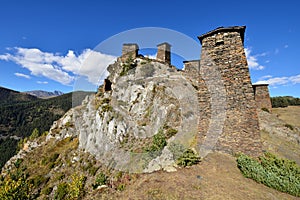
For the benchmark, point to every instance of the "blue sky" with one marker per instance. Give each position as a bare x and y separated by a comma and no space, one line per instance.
44,43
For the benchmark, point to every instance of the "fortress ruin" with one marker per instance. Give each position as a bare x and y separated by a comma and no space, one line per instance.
225,92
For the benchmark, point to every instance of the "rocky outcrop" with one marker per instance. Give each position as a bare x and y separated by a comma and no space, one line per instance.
117,126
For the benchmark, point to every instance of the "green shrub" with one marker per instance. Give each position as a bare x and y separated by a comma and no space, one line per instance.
121,187
101,179
35,134
45,133
280,174
76,186
47,190
51,165
68,125
128,65
16,186
92,171
59,176
62,191
53,157
171,132
106,108
21,143
158,143
188,158
18,162
38,180
265,109
105,100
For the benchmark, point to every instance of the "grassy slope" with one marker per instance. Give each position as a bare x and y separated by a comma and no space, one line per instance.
290,114
277,138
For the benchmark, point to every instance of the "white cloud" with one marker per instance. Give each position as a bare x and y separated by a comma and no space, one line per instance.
273,81
265,77
60,68
89,63
295,79
22,75
252,60
42,82
151,56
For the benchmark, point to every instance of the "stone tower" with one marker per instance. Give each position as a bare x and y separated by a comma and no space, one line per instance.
228,119
164,52
262,96
191,71
129,50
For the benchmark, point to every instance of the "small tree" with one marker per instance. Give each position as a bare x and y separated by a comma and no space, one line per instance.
35,134
188,158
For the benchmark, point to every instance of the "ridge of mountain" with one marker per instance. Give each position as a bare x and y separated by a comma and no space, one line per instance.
9,96
44,94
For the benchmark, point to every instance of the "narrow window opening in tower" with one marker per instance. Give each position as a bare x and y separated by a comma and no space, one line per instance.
219,39
219,42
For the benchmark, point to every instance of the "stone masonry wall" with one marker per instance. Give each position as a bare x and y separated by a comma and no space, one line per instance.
191,72
164,52
262,96
228,109
129,50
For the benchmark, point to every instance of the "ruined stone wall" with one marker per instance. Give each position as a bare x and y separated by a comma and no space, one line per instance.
191,72
262,96
164,53
228,108
129,50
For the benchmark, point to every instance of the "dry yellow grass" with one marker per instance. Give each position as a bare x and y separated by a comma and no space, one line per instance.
216,177
290,114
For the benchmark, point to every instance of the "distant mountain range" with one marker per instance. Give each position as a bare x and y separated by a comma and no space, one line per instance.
44,94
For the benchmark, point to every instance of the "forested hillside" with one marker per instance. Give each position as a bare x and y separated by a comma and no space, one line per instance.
8,97
20,114
284,101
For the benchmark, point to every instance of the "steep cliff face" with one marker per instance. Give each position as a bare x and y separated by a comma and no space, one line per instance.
118,127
